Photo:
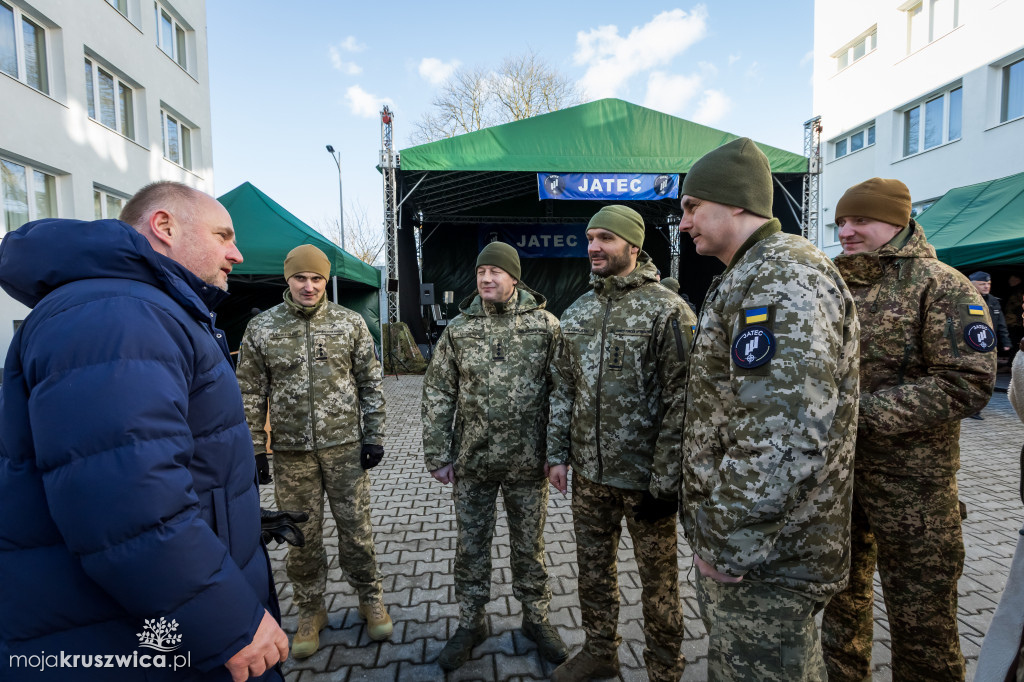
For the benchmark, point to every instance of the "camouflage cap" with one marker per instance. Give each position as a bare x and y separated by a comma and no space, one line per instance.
307,258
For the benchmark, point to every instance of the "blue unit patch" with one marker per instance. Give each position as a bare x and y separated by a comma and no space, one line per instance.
980,337
753,347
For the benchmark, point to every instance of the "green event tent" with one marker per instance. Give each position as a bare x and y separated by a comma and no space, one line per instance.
978,225
266,232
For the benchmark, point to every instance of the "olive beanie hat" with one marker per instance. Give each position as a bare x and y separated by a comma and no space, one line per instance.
501,255
622,221
735,174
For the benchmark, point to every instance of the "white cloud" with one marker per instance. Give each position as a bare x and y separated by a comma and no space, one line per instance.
434,71
708,69
611,59
670,93
362,103
713,106
733,58
351,68
350,44
753,72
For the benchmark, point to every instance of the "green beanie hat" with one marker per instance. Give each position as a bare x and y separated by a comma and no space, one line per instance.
501,255
880,199
735,174
670,283
620,220
306,258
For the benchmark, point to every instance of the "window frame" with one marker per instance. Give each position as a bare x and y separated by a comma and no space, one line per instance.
101,199
32,209
921,106
184,138
20,18
927,29
93,67
869,130
1004,90
177,51
845,56
120,5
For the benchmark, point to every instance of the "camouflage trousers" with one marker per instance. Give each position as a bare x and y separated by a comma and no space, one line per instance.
758,631
911,526
526,503
597,512
300,481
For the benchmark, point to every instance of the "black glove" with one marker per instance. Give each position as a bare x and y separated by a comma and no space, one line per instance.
651,509
263,469
371,455
281,526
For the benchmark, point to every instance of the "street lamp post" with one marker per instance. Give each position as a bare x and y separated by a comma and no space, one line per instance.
341,202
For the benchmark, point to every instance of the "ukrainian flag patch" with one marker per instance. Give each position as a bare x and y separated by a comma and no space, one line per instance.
755,315
976,310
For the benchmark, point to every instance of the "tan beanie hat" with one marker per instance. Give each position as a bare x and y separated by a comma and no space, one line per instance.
620,220
306,258
886,200
735,174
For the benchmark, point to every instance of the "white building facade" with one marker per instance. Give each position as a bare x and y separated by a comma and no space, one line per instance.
99,97
927,91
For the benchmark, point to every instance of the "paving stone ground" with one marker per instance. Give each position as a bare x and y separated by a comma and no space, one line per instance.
415,538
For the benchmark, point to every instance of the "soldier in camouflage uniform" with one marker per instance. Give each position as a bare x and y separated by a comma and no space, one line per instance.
927,361
314,361
485,413
616,418
768,442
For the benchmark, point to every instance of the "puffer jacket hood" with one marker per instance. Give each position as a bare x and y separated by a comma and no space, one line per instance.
31,266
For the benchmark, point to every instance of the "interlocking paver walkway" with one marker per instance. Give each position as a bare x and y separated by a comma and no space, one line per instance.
415,537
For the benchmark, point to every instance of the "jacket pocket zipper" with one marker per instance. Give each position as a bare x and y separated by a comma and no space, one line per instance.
951,335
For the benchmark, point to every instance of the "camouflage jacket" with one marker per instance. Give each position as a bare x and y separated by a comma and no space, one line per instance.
320,373
485,393
771,409
619,372
918,375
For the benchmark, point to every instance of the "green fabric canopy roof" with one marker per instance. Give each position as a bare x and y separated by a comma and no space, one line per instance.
266,232
606,136
980,224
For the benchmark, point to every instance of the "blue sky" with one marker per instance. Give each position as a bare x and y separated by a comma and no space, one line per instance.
288,79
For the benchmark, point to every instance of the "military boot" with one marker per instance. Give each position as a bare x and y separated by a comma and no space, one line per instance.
307,635
585,666
549,643
378,622
460,647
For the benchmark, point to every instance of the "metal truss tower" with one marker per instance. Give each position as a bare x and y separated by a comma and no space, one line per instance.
812,181
388,166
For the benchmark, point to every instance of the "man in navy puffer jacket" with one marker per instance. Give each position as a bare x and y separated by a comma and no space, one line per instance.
129,514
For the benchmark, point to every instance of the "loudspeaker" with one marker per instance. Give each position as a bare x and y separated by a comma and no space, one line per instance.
393,286
426,294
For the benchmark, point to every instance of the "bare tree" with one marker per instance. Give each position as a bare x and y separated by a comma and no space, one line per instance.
472,99
362,240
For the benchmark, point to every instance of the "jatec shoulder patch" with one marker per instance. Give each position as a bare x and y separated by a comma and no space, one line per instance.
980,337
753,346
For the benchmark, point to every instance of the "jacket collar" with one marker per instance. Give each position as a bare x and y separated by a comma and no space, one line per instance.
616,286
771,227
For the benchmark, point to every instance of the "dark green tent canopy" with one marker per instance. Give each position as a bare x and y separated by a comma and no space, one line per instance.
980,224
606,136
266,232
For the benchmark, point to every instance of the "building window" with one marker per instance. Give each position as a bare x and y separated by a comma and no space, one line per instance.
23,48
170,36
933,122
107,204
27,194
929,20
854,142
1013,91
857,49
120,5
177,140
109,100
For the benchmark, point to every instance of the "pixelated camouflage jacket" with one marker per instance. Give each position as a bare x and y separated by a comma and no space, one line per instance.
767,468
918,375
619,373
485,392
321,375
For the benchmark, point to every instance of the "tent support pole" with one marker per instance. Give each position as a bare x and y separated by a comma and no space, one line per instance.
334,285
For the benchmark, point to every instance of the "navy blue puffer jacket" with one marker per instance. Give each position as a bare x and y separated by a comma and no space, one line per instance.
127,487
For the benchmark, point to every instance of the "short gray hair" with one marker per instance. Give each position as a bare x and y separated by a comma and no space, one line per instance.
175,197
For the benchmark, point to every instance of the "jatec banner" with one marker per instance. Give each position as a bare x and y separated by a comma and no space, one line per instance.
539,241
614,186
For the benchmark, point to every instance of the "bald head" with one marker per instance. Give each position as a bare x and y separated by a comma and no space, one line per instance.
187,226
